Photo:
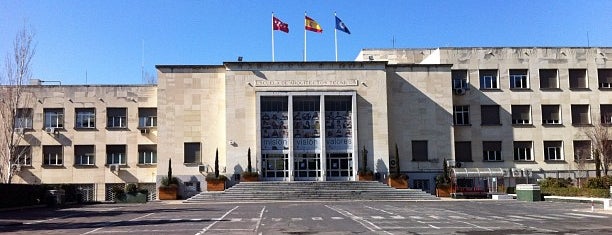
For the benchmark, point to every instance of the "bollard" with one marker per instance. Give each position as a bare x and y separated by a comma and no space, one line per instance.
592,205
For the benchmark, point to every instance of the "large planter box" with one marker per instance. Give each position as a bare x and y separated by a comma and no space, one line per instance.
250,178
398,183
129,198
365,177
215,185
443,191
168,193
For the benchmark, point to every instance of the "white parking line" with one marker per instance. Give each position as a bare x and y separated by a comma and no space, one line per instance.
296,219
337,218
137,218
381,210
259,219
397,217
377,217
367,224
317,218
587,215
212,224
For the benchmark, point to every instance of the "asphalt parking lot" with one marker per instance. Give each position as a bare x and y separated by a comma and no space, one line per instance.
325,217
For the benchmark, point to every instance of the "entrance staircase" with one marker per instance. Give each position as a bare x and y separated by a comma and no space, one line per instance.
298,191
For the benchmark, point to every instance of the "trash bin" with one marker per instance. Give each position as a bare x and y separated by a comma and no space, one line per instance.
528,192
56,197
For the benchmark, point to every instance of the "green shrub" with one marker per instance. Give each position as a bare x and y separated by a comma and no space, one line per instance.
511,190
603,182
131,189
556,183
575,192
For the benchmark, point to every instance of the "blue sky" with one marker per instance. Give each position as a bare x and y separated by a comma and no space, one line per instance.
105,38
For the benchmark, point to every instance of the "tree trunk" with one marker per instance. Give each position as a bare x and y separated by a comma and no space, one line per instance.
597,164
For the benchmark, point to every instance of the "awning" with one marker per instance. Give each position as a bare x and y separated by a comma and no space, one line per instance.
460,173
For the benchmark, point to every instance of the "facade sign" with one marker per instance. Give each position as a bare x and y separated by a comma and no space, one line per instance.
274,130
339,144
304,83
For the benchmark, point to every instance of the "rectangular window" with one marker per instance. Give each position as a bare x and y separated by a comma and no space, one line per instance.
147,117
147,154
491,151
53,155
523,151
23,118
582,150
604,78
463,151
460,79
116,117
85,118
519,79
192,153
419,150
580,114
578,79
521,114
461,115
116,154
84,155
551,114
553,150
488,79
22,155
54,118
549,79
489,115
606,114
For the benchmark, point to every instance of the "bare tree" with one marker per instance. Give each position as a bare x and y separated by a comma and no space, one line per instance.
15,105
600,136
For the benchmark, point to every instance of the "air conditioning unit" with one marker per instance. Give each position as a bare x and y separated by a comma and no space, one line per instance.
458,164
114,167
144,131
459,91
19,130
516,173
450,163
50,130
16,167
527,173
203,168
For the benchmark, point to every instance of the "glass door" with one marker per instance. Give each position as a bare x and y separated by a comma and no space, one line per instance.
307,167
339,166
275,167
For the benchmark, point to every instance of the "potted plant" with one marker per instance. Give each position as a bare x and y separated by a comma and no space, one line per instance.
168,190
250,175
214,181
443,187
365,174
396,179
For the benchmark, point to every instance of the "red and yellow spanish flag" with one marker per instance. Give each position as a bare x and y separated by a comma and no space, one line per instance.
312,25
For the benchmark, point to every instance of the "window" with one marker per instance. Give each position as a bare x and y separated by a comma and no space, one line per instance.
462,115
23,118
606,114
491,151
553,150
53,155
463,151
147,117
84,155
115,154
147,154
519,79
488,79
421,184
580,114
523,151
549,79
604,78
192,152
521,114
23,155
419,150
489,114
85,118
551,114
54,118
460,79
582,150
578,79
116,117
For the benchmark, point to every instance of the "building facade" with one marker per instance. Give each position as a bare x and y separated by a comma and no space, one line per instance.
523,110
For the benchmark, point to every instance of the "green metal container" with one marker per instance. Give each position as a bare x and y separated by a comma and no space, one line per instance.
528,192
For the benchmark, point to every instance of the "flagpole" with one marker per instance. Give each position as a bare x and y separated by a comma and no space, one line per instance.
272,36
336,37
304,36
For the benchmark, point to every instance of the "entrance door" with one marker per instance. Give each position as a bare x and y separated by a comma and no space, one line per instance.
307,166
339,166
275,167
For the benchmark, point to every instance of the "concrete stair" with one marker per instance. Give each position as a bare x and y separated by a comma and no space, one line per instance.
326,190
